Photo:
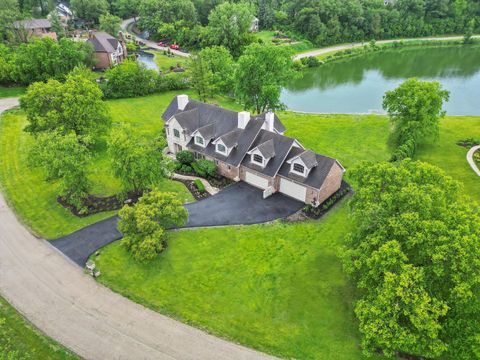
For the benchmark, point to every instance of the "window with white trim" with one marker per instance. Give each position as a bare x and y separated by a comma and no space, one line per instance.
199,140
298,168
221,148
257,158
176,133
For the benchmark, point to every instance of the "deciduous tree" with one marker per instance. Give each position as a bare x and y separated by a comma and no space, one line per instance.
137,161
74,106
415,256
110,23
143,225
89,10
261,72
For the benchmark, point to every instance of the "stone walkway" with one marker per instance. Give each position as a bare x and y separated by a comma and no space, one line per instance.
470,160
212,190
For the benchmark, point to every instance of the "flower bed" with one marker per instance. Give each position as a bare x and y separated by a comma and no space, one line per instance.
322,209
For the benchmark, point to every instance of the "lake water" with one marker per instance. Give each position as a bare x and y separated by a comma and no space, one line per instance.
357,85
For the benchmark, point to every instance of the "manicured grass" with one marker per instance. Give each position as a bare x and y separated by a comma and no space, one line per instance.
6,92
34,199
278,288
165,62
22,341
297,46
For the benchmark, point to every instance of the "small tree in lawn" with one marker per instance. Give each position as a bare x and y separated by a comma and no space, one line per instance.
63,158
137,161
415,109
143,225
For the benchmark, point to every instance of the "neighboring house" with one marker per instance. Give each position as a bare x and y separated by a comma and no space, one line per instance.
34,28
108,50
251,149
64,13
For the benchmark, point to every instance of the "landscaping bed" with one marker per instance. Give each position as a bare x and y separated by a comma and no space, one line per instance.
194,189
322,209
97,204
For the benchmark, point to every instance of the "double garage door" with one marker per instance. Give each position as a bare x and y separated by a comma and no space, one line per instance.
293,189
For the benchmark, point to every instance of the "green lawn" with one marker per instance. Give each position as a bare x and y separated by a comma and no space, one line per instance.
165,62
279,288
14,91
34,199
23,341
297,47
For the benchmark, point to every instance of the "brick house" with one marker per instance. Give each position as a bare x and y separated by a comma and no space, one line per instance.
26,29
108,50
251,149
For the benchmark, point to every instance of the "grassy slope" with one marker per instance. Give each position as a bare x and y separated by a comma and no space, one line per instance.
166,62
6,92
19,337
278,288
34,199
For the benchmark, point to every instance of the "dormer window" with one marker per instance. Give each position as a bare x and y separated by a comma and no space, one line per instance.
199,140
299,168
221,149
258,159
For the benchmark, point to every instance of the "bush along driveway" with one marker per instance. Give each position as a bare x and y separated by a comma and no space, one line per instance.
237,204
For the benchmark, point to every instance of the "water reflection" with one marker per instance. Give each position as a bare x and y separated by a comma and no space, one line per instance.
357,85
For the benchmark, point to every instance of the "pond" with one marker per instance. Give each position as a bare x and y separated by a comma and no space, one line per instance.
148,60
357,85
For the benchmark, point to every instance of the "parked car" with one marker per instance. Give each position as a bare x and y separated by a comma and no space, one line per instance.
162,44
174,47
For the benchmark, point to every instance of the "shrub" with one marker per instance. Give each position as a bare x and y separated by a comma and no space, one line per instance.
129,79
312,61
185,157
187,169
173,81
205,168
199,185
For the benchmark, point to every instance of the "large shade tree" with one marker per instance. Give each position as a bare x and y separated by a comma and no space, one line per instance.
74,106
415,255
261,72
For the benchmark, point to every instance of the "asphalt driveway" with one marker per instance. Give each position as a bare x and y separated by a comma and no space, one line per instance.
238,204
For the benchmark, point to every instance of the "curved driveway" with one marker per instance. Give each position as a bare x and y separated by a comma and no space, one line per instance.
326,50
96,323
470,160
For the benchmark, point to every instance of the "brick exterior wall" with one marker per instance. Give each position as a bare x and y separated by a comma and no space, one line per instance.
228,171
102,60
332,183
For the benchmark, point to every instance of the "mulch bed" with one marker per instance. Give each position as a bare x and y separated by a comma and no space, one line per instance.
217,181
193,189
322,209
97,204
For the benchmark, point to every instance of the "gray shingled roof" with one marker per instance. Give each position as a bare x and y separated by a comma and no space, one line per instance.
309,158
103,42
281,144
230,139
211,113
317,175
33,24
207,131
267,149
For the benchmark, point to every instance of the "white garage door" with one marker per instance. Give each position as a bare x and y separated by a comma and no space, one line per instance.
256,180
292,189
